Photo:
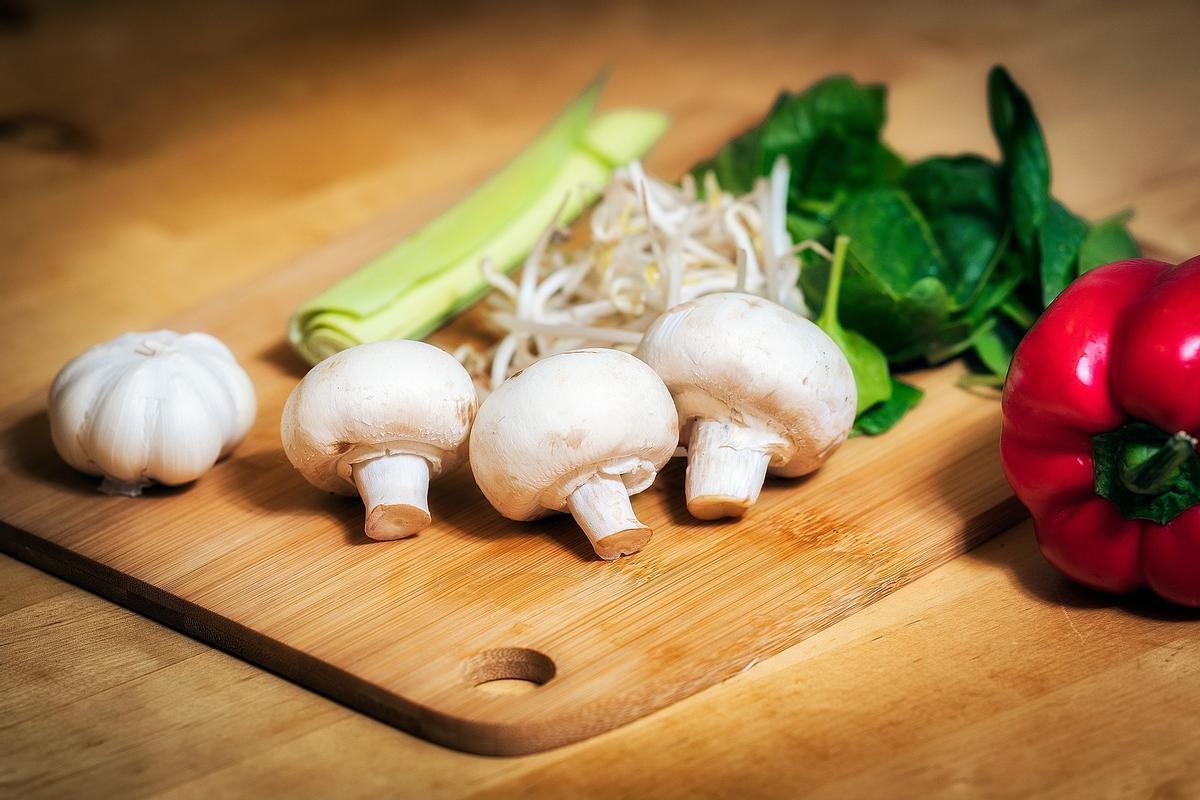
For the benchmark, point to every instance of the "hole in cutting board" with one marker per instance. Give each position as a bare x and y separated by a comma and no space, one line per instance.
509,670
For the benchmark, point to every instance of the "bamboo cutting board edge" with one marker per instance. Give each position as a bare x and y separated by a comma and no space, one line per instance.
343,686
198,622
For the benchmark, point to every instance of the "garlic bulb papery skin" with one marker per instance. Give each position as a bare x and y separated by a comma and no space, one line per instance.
150,407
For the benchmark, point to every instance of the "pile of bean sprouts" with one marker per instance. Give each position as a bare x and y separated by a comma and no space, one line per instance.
653,245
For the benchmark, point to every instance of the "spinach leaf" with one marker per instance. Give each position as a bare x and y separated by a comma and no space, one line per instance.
970,243
890,238
948,256
955,183
802,227
836,165
1008,275
881,417
902,323
959,337
1026,165
1107,241
836,107
867,362
992,351
894,294
1059,240
828,133
735,165
995,348
960,197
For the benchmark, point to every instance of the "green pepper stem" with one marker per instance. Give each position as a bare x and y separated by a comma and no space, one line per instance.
1156,472
829,314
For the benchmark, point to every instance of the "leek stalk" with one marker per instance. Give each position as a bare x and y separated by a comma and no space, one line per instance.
414,287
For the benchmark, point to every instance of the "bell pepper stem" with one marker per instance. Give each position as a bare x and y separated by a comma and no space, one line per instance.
1153,474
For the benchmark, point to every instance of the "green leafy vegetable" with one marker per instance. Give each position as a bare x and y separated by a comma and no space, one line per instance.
901,322
889,238
999,289
881,417
1107,241
955,183
992,351
1059,241
960,198
971,243
894,293
834,106
805,228
736,165
1026,165
949,256
868,363
995,348
829,135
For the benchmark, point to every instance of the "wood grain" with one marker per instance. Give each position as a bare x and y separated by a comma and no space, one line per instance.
253,560
269,128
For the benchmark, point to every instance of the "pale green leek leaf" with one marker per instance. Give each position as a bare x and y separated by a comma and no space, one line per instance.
412,288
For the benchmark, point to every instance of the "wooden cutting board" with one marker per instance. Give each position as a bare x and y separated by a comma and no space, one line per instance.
252,559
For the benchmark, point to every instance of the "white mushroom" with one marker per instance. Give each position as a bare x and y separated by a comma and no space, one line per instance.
578,432
757,387
381,420
153,406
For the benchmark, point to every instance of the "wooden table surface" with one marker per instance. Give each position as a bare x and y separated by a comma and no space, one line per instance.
154,155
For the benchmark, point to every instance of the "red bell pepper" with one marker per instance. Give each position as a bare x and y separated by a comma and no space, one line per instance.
1101,416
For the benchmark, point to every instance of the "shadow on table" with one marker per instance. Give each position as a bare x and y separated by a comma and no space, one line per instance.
282,357
265,480
30,453
1018,553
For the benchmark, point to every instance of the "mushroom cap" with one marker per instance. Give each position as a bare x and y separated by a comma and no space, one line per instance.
382,398
742,359
550,427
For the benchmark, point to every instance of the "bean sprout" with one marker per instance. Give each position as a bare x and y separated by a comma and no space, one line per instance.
653,245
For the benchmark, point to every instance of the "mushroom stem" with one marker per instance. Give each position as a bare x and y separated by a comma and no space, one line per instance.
723,479
395,490
601,507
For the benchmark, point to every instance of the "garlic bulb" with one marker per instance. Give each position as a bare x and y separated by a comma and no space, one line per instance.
145,407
